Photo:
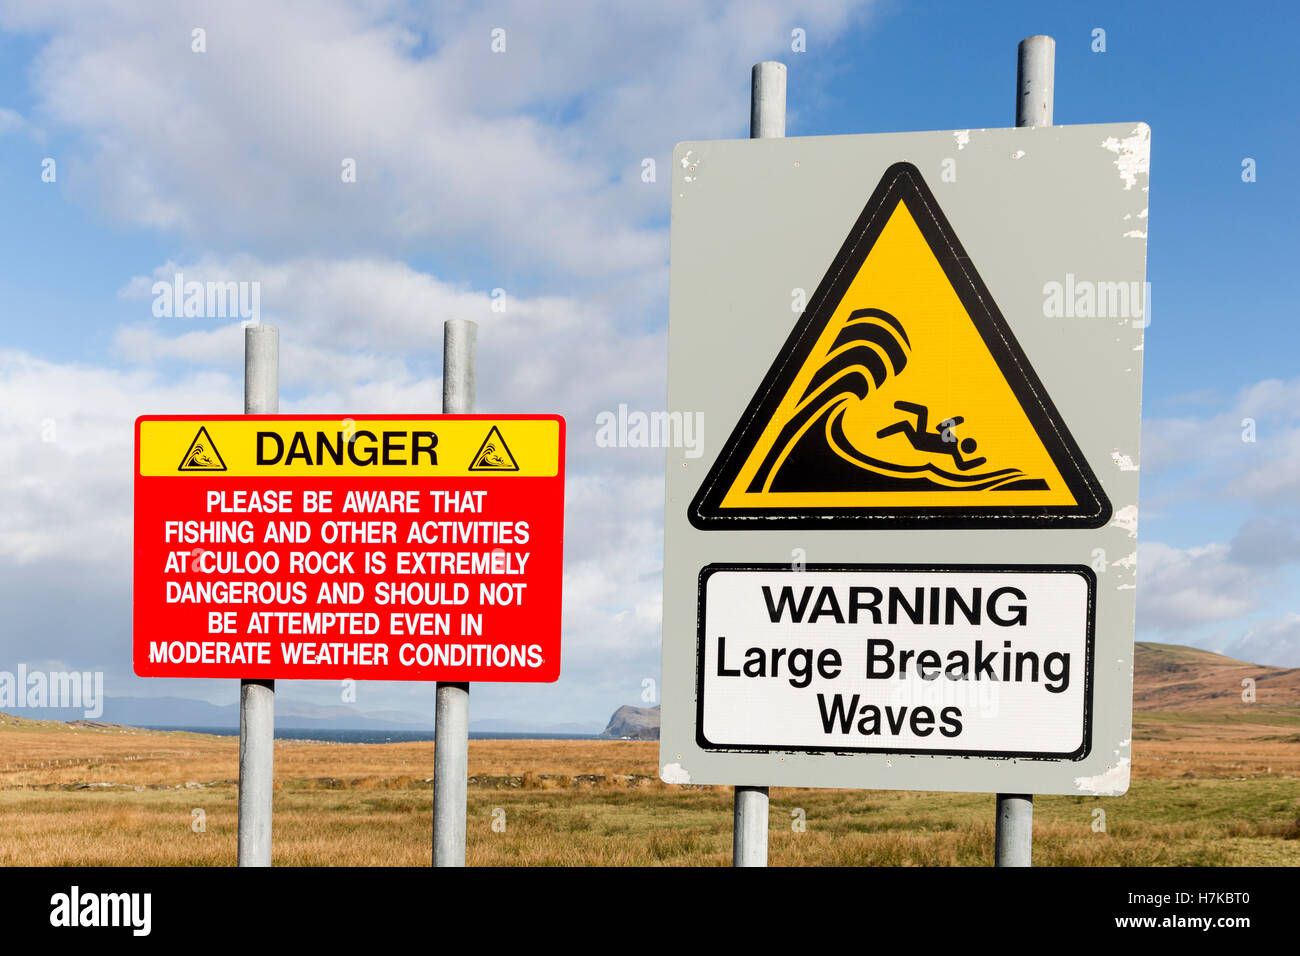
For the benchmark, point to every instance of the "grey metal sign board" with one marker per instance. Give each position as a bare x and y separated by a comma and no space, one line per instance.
906,556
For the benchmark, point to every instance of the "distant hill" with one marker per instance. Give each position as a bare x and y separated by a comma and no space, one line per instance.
1178,678
633,723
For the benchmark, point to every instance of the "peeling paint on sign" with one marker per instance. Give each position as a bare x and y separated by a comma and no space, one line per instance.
674,773
1127,518
1113,781
1132,154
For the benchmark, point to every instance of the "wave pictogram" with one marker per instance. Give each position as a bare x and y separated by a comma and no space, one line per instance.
489,457
814,452
494,454
202,454
199,458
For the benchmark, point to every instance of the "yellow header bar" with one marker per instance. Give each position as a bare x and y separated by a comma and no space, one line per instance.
270,446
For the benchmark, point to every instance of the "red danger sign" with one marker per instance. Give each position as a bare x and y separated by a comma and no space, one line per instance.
415,548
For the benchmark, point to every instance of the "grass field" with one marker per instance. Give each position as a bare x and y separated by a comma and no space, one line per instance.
1209,788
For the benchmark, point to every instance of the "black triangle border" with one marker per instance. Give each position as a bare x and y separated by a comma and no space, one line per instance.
203,430
487,438
903,181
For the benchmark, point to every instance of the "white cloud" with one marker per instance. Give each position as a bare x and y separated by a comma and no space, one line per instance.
1275,641
1266,541
533,154
1181,591
66,452
1250,450
1183,587
12,122
365,335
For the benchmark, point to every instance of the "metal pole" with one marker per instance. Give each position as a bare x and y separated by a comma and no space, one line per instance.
451,731
767,100
1035,81
257,697
1015,829
1035,88
749,828
750,814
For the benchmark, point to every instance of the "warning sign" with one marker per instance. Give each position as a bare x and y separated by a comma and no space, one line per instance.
494,454
887,375
901,398
366,548
202,455
963,660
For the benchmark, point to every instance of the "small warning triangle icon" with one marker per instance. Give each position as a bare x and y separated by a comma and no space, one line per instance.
494,454
202,454
900,399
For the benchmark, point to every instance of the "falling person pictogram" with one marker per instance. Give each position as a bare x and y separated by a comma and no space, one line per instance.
938,442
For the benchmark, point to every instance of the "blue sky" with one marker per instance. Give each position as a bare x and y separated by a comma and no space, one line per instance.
522,171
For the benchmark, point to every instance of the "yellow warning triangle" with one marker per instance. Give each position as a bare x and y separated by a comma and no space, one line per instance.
900,399
202,455
494,454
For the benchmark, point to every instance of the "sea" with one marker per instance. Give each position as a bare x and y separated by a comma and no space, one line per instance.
376,736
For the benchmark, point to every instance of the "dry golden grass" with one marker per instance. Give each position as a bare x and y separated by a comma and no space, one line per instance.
1208,789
